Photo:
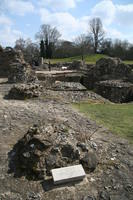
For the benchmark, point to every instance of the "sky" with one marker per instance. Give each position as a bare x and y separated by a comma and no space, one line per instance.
23,18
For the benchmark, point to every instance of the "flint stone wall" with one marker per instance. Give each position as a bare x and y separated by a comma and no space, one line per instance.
21,73
13,66
108,69
7,57
115,90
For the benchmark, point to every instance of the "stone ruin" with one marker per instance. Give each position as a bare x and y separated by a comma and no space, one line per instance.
25,91
110,76
112,79
108,69
115,90
49,146
13,66
74,65
68,86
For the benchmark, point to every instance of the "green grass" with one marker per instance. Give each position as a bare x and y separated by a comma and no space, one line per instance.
90,59
116,117
128,61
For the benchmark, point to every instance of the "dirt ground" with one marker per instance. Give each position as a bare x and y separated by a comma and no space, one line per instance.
113,177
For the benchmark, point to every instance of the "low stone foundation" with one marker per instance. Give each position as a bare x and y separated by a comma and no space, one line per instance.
116,91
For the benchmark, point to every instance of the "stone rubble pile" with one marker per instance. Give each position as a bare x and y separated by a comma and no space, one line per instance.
25,91
50,146
68,86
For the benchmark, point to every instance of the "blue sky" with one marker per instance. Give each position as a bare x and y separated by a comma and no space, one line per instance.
22,18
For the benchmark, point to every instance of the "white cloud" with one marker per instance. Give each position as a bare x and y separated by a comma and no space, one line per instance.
8,36
59,5
124,15
105,10
4,20
68,25
19,7
125,8
110,13
114,33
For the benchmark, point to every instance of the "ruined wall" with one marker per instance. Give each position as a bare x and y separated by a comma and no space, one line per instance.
112,79
115,90
7,57
13,66
108,69
21,72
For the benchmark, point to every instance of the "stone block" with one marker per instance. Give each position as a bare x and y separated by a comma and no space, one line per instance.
68,174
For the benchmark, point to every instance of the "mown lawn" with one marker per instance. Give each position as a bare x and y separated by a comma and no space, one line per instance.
89,59
116,117
128,62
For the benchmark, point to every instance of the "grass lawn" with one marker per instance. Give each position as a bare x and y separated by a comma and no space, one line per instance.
116,117
89,59
128,61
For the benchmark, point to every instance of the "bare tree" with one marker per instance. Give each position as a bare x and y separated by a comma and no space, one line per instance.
50,36
29,49
83,42
97,32
32,53
20,44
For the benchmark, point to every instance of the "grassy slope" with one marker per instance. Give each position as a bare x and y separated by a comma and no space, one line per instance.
128,61
117,117
90,59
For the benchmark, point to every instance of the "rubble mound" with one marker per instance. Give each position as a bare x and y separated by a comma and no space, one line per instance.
116,91
25,91
68,86
49,146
